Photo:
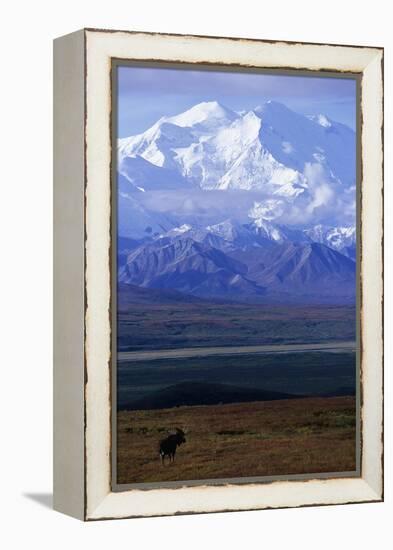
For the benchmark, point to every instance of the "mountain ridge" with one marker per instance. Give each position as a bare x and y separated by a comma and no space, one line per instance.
308,270
246,205
214,150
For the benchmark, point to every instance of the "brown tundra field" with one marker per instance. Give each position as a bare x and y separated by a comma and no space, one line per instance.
296,436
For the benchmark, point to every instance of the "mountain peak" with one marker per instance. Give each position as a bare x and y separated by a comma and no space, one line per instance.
213,107
209,105
202,112
271,106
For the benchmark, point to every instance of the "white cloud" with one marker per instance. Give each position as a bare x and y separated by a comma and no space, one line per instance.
320,189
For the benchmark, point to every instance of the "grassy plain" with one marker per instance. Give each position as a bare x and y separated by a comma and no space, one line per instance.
183,325
259,438
310,435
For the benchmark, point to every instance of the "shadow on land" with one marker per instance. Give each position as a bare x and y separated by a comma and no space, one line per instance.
44,499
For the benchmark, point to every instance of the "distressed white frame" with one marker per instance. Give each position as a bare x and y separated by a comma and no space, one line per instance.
100,48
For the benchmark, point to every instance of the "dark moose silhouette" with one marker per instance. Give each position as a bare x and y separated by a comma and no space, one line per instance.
169,445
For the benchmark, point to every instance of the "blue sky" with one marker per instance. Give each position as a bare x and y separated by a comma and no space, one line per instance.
145,94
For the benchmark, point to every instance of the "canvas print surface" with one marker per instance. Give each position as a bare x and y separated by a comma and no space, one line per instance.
236,274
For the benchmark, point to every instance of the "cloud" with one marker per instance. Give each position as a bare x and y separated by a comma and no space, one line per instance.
324,200
321,191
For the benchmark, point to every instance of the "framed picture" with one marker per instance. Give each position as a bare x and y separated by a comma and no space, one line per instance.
218,274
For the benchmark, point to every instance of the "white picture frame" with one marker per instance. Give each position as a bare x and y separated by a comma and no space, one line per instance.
82,258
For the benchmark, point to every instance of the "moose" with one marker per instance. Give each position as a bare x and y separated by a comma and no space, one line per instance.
169,445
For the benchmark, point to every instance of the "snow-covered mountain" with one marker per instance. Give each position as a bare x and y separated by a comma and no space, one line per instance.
240,204
342,239
216,148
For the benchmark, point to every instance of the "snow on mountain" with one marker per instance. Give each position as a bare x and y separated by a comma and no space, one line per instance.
223,204
294,140
208,115
145,176
342,239
226,230
185,228
230,231
171,138
216,148
268,230
277,233
156,146
230,157
262,215
256,169
229,234
320,119
266,210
